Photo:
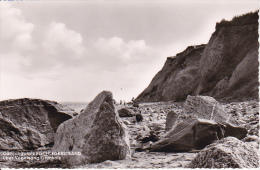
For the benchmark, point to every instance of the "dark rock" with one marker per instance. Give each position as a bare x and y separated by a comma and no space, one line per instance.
135,105
139,118
98,134
124,112
238,132
189,135
152,137
227,153
30,123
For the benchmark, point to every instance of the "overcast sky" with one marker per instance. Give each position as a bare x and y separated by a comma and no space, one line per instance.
72,50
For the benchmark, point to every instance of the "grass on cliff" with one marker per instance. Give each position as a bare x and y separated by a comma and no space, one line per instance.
248,18
245,19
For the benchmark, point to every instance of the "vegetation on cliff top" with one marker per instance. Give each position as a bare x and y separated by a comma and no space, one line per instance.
245,19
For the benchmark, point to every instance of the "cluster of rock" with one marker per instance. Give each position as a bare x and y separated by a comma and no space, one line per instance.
95,135
224,68
98,133
202,123
247,114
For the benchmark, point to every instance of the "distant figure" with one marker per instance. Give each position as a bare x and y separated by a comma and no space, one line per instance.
139,117
133,100
120,102
124,103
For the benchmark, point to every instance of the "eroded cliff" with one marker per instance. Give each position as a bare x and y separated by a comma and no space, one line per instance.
225,68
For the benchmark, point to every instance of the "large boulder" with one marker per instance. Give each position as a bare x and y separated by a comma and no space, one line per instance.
171,120
124,112
206,107
188,135
30,123
227,153
98,134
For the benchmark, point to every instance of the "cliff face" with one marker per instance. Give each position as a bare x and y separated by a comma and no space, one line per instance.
175,79
225,68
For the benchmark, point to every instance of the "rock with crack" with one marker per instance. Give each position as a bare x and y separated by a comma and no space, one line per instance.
98,134
187,136
29,123
227,153
206,107
195,134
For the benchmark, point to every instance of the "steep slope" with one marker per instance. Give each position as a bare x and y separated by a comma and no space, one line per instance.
168,84
225,68
229,65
